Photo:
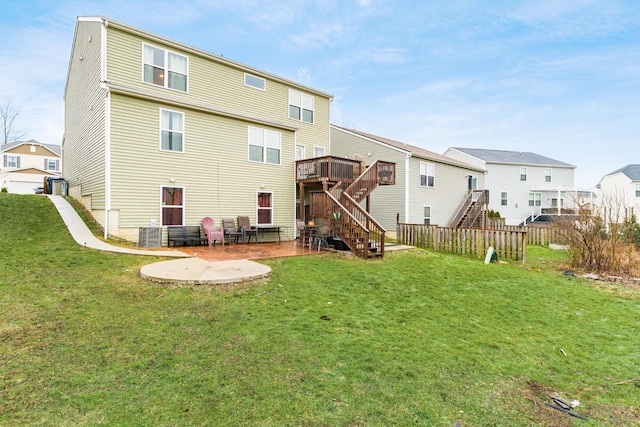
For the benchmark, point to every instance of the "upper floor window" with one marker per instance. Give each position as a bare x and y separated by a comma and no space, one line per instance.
318,151
300,106
427,174
299,152
264,146
637,190
253,81
171,130
503,198
547,175
51,164
265,208
523,174
11,161
172,206
165,68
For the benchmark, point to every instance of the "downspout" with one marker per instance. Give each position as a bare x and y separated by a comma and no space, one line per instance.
107,129
406,188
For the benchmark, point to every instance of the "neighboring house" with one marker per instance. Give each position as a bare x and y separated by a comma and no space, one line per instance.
159,133
620,192
522,185
429,189
25,165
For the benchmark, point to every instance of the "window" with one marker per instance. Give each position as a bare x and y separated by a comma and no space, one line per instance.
253,81
51,164
11,161
427,215
300,106
172,206
171,130
427,174
547,175
554,203
523,174
318,151
299,152
535,199
265,208
637,190
264,146
164,68
503,198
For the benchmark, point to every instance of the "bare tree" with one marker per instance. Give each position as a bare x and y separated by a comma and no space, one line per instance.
8,115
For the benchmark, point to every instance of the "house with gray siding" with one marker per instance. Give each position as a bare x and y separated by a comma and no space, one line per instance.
160,133
429,187
523,185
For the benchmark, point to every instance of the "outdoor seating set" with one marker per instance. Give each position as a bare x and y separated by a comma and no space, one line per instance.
209,233
314,235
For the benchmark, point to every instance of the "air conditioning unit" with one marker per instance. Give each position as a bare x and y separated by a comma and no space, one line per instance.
150,237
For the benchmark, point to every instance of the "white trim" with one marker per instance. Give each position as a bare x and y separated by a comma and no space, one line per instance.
265,145
295,151
184,118
407,193
272,208
107,163
165,67
184,203
264,82
430,214
103,52
319,147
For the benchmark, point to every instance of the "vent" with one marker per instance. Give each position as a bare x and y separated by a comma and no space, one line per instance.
150,237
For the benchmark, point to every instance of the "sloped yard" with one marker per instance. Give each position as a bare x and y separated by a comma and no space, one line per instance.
418,338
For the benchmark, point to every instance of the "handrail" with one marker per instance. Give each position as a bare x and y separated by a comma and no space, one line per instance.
327,168
535,214
472,207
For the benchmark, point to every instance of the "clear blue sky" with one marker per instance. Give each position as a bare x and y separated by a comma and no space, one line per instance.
560,78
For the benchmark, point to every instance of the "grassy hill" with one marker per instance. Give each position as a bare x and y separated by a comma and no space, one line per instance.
418,338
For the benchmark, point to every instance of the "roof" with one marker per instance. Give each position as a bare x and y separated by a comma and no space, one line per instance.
511,157
54,148
412,149
631,171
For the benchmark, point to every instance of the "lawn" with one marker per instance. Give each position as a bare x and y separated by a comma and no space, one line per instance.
418,338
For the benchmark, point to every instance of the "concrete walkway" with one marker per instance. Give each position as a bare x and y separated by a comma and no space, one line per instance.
186,270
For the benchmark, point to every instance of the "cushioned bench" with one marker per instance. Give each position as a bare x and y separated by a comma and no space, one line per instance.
185,235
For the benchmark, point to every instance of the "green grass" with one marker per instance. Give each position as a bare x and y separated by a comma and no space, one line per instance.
418,338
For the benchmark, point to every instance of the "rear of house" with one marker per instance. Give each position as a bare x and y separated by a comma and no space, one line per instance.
620,193
429,187
159,133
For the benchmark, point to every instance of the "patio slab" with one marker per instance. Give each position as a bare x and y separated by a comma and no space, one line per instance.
196,271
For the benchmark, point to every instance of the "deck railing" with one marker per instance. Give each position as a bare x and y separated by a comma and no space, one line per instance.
327,168
470,209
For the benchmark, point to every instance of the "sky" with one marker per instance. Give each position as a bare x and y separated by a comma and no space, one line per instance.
560,78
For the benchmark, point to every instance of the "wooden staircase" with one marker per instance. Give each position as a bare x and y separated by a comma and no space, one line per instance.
340,207
472,213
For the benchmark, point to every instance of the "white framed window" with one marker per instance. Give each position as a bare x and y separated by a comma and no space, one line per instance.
172,205
554,203
503,198
523,173
164,68
171,130
535,199
427,174
51,164
637,190
32,149
255,81
299,152
426,213
11,161
264,206
300,106
547,175
318,151
264,145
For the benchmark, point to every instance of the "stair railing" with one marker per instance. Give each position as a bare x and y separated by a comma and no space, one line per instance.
470,209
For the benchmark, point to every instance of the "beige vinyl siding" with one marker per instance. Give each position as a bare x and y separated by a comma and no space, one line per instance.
83,147
385,201
218,85
219,180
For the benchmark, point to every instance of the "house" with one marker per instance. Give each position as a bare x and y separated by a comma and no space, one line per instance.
523,185
430,188
25,165
620,192
159,133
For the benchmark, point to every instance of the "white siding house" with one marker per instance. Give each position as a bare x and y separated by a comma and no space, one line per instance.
25,165
620,190
522,185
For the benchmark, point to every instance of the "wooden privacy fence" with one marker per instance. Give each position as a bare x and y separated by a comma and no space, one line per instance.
464,241
536,235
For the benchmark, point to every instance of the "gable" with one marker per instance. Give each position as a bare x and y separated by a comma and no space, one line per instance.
32,148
